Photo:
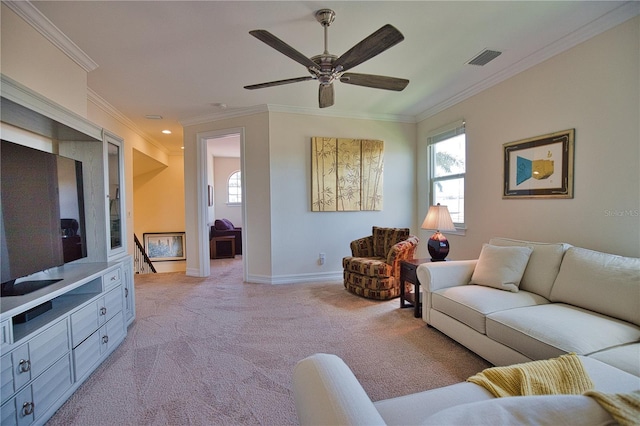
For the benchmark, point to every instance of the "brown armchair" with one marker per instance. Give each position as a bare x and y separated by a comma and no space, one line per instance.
373,270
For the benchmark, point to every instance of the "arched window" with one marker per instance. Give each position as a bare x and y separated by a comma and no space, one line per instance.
234,188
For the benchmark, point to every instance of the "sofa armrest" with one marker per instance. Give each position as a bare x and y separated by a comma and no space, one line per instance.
436,275
326,392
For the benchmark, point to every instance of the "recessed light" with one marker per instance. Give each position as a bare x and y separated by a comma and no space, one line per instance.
153,117
166,132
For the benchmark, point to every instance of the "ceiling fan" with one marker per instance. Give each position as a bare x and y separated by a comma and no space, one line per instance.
326,68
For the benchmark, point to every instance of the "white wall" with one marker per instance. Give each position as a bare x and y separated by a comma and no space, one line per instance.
298,234
593,88
283,236
222,169
256,229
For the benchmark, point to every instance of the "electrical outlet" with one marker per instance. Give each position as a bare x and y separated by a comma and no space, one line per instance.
321,258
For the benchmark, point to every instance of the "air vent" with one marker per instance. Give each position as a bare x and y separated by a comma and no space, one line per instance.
484,57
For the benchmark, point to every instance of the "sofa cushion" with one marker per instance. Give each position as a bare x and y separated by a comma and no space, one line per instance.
600,282
533,410
625,357
368,266
543,266
547,331
470,304
385,238
501,267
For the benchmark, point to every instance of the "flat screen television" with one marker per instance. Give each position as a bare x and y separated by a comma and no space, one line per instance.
42,216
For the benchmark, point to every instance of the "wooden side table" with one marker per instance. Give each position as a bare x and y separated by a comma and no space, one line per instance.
216,253
408,274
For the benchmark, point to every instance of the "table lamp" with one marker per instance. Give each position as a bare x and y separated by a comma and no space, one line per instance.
439,219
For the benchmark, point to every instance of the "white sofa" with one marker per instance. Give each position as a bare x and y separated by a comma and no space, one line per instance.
327,393
569,299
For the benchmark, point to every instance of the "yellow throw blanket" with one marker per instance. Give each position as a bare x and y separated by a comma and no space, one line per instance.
623,407
563,375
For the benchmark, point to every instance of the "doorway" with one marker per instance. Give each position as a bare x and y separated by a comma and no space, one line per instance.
221,153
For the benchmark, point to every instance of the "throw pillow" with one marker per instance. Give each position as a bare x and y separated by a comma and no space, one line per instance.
501,267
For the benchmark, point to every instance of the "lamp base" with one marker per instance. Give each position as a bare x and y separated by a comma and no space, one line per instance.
438,247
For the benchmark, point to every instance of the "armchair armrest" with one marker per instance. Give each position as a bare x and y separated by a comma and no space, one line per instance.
362,247
326,392
400,251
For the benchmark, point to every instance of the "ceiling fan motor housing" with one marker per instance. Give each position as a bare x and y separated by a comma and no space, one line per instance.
325,17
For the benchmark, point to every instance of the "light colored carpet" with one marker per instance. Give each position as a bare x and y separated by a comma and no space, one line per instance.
218,351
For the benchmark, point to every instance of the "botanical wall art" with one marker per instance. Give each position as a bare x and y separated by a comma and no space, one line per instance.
346,174
540,167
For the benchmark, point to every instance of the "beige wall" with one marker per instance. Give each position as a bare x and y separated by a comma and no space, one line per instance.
33,61
159,205
593,88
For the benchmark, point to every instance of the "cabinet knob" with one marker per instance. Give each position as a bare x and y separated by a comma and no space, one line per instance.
105,339
24,366
103,311
27,408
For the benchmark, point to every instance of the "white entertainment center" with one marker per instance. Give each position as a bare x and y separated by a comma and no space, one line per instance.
52,339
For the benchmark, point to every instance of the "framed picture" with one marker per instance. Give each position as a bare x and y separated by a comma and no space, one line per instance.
163,246
540,167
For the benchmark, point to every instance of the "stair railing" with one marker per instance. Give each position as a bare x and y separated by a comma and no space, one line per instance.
141,262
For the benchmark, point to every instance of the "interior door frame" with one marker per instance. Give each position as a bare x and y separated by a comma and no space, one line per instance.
202,188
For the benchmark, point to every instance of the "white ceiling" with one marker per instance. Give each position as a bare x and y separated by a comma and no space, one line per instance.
179,58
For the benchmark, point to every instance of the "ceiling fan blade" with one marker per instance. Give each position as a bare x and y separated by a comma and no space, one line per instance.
278,82
325,95
282,47
375,81
376,43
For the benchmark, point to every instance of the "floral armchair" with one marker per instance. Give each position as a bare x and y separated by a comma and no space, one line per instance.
373,270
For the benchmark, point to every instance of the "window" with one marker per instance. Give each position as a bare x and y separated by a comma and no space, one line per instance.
446,151
234,188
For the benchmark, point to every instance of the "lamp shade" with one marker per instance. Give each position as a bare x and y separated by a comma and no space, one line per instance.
438,219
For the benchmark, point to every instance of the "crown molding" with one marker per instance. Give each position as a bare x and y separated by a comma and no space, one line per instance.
44,26
615,17
241,112
101,103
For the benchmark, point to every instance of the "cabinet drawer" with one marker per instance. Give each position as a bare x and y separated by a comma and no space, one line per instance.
112,278
8,415
21,366
112,302
6,378
114,331
18,411
51,385
48,347
84,322
86,355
